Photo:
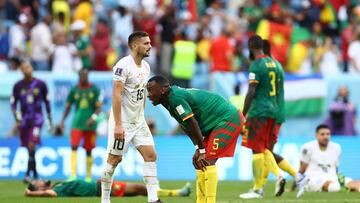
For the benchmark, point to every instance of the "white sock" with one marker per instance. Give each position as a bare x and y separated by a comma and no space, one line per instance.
106,182
151,181
334,187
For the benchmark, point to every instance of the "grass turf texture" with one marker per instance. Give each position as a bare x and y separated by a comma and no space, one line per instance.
228,192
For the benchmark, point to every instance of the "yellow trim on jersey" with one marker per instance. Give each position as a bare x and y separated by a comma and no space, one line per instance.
188,116
253,81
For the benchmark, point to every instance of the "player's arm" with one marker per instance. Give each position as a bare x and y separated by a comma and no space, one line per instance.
45,98
253,83
118,91
194,132
13,101
39,193
98,105
249,96
69,101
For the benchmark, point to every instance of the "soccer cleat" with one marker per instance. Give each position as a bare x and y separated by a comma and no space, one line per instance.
301,184
280,186
186,190
157,201
252,194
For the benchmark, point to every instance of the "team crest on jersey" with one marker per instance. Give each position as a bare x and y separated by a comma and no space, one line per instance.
76,96
36,91
137,86
118,71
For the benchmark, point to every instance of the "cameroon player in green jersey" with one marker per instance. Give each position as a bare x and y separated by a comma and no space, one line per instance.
81,188
261,107
86,98
212,123
280,118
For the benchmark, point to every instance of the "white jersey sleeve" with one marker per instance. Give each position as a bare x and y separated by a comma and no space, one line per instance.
120,72
306,153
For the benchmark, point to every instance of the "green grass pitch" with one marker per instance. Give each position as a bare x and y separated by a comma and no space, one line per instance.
228,192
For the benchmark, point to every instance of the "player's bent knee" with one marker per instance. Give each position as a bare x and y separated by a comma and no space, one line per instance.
150,157
114,159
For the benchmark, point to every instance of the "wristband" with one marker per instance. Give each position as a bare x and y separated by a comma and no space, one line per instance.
196,147
94,116
202,151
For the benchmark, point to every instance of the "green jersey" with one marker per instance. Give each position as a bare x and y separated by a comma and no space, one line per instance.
280,117
208,108
75,188
268,75
81,44
86,99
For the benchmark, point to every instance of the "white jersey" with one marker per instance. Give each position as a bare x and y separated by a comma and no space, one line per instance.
134,78
321,163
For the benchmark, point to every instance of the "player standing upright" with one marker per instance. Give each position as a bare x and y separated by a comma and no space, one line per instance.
87,102
212,123
280,118
261,106
127,122
31,93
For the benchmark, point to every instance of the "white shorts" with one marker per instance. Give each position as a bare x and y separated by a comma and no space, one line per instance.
137,134
316,183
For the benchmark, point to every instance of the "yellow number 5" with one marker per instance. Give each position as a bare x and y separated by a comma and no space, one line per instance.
272,76
216,144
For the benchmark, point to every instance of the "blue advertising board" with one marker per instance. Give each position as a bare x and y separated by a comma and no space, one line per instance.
174,159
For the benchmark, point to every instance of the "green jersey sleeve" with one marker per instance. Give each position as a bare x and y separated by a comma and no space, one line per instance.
254,73
70,98
182,108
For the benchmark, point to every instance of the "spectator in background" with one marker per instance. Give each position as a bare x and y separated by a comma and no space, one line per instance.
217,18
328,58
41,42
64,55
59,24
342,112
61,13
318,37
354,51
222,53
122,27
82,43
237,99
17,38
84,12
347,36
168,26
101,44
30,93
183,65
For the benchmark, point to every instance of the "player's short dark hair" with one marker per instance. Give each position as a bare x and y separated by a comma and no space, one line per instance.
322,126
255,42
266,47
159,79
32,187
136,35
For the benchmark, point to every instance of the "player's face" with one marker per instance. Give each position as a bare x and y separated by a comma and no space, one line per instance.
41,185
143,46
26,69
83,75
154,92
323,136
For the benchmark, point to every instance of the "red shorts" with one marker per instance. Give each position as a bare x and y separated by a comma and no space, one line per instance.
89,138
257,133
118,189
223,138
274,136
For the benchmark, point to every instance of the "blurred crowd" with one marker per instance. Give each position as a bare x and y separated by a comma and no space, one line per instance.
188,36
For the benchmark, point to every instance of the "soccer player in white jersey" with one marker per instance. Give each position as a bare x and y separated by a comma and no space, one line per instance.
127,122
318,166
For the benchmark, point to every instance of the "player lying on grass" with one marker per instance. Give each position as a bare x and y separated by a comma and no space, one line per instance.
82,188
318,167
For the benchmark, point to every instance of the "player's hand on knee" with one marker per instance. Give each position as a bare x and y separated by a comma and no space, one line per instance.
201,162
90,122
195,157
119,132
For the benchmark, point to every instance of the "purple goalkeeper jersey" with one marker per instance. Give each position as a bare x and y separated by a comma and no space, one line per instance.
30,95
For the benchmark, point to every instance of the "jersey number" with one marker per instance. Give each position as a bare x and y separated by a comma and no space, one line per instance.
119,144
216,144
272,76
140,94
